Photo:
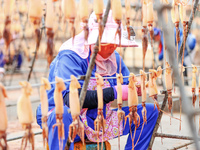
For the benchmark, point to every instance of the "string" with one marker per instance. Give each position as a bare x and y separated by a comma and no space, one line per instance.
82,78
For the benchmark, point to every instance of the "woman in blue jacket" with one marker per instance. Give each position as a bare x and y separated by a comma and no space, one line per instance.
73,59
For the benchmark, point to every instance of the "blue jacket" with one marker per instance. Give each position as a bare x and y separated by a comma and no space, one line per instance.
191,41
69,63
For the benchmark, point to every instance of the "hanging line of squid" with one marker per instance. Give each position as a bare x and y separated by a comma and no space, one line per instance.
26,118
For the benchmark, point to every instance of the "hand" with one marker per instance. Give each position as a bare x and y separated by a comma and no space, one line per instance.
125,91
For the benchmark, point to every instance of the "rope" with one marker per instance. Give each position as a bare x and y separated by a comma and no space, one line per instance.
82,78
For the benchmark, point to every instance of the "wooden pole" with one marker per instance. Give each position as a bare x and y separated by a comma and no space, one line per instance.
92,60
189,26
158,119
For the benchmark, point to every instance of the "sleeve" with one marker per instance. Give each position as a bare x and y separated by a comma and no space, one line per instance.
91,100
161,47
191,41
66,66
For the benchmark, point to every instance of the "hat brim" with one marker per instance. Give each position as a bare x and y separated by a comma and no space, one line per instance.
110,37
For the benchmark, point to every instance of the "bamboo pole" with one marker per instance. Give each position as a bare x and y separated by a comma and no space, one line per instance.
92,61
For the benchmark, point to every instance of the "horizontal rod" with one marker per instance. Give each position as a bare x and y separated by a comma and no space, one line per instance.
80,78
181,146
172,136
21,136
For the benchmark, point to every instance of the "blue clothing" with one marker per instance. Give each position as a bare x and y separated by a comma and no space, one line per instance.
1,60
191,42
141,145
69,63
64,65
161,53
19,60
158,32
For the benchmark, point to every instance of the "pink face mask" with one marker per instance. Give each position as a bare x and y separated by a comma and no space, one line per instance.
105,66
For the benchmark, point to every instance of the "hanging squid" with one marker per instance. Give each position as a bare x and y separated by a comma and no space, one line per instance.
76,127
144,95
25,114
150,18
7,35
99,122
3,118
84,15
50,45
168,83
175,20
153,91
144,44
69,10
35,15
132,103
8,9
98,9
50,33
144,31
184,21
58,99
159,71
44,108
128,16
117,15
120,112
194,97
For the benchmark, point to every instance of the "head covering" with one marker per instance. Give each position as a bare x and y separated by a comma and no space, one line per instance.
104,66
79,45
109,34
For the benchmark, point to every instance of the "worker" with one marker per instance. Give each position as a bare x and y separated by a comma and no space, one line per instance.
190,45
73,59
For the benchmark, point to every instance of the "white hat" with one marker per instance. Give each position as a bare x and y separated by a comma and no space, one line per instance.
109,34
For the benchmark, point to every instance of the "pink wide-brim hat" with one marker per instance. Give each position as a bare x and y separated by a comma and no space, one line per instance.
109,35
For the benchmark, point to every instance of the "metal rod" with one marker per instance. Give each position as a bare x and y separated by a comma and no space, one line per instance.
187,108
158,120
92,60
189,26
181,146
21,136
80,78
172,136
